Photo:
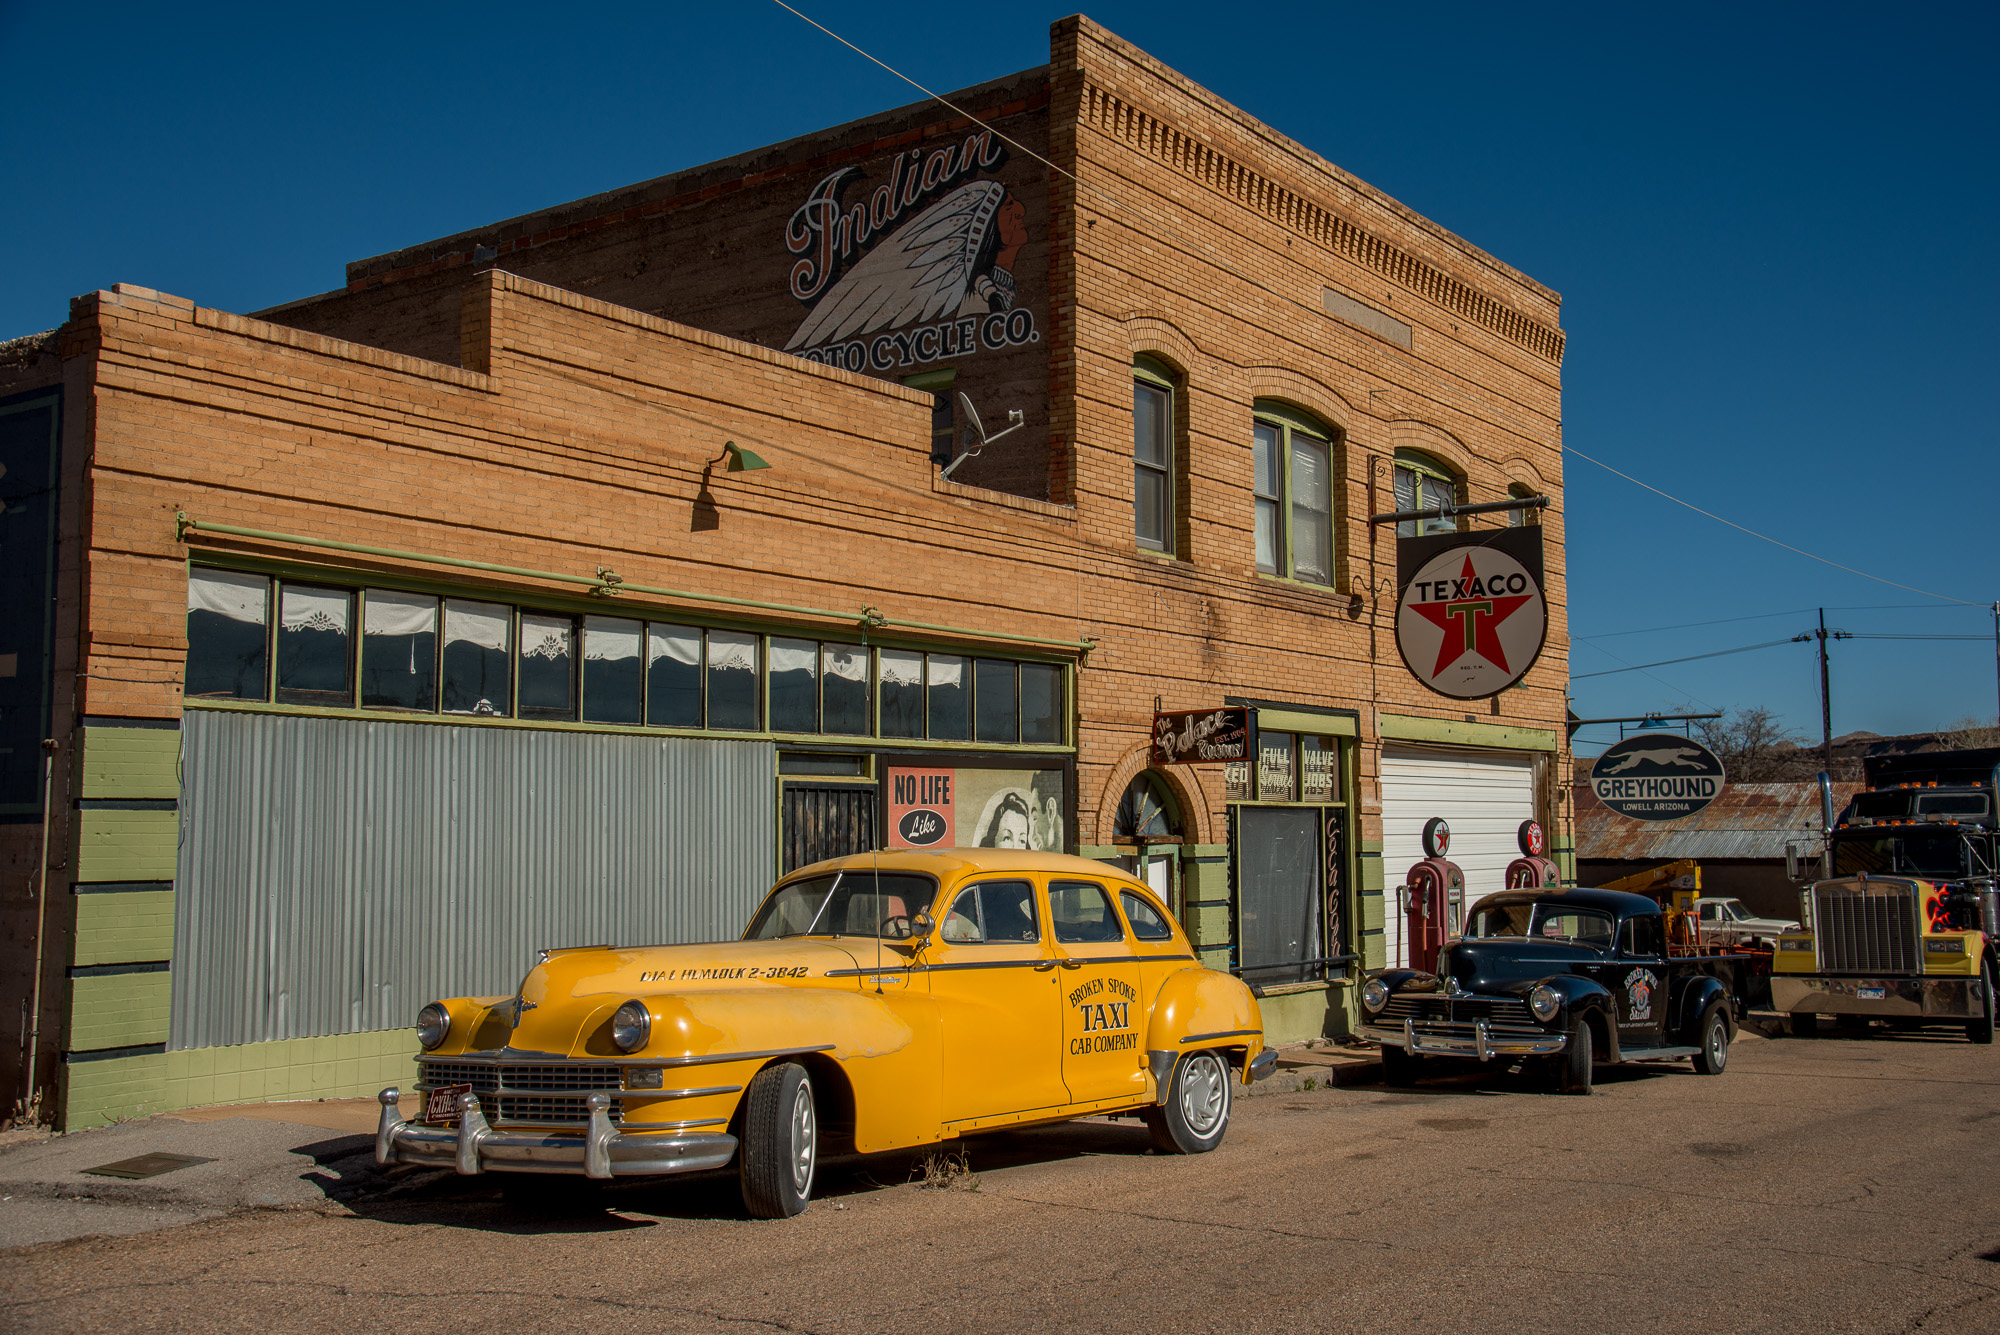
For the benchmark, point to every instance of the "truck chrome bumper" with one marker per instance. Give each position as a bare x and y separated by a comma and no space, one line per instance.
1457,1038
1915,998
603,1151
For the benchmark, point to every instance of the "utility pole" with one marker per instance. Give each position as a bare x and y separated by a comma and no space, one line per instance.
1996,651
1825,700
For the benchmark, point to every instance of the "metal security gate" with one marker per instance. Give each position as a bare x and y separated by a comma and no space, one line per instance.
336,874
827,820
1483,795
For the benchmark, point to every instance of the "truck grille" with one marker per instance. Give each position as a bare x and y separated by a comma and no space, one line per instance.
1867,927
1429,1006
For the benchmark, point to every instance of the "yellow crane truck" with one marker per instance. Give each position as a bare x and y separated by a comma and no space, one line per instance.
1901,930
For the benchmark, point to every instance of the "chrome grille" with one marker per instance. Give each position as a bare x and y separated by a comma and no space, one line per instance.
543,1110
1867,927
1432,1007
492,1077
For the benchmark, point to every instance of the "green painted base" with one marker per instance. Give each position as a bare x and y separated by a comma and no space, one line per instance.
1312,1012
346,1066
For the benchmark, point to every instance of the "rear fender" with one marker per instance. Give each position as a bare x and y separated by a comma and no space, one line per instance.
1203,1008
1695,998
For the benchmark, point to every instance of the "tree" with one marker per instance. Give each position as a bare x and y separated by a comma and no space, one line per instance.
1972,731
1756,747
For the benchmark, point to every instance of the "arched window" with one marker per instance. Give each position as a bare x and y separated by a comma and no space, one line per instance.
1293,482
1422,483
1148,817
1523,517
1153,463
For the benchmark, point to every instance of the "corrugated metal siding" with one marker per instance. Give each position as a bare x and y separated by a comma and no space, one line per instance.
1746,820
334,874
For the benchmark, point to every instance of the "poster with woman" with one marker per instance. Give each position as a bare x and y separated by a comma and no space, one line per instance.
981,808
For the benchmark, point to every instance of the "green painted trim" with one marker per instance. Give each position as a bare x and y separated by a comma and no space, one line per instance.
1404,728
1305,720
343,1066
1373,875
932,381
131,763
119,1010
126,846
1194,852
123,927
1099,852
825,741
1374,908
1370,848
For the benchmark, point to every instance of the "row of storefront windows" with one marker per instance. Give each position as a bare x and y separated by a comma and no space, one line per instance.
420,653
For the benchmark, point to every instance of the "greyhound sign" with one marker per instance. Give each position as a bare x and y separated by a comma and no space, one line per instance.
1471,619
1657,776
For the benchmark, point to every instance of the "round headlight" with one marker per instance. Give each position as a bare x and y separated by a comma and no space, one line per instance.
1544,1003
433,1023
1374,994
631,1026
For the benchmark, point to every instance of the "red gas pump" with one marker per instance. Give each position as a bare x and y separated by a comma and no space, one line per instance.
1432,891
1533,871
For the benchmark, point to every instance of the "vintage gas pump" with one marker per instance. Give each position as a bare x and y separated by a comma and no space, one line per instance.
1433,893
1532,870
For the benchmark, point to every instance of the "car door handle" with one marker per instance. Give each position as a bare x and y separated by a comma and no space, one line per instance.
1045,966
1071,964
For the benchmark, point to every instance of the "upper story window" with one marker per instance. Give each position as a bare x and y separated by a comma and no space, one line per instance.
1422,483
1153,502
1294,494
1523,517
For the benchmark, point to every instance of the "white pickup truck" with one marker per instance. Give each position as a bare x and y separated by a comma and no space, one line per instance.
1725,921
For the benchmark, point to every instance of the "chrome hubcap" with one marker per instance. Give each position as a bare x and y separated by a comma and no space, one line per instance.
1203,1094
805,1137
1718,1043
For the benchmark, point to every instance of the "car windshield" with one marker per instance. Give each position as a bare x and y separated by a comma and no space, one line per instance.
845,903
1544,919
1909,854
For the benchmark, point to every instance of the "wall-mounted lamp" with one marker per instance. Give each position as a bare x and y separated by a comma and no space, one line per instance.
740,459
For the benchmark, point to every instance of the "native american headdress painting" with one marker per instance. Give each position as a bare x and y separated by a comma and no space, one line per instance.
934,266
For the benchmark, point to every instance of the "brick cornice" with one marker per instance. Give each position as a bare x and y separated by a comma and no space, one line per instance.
1153,136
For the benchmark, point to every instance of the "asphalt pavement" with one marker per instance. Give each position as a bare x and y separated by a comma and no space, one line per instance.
1834,1184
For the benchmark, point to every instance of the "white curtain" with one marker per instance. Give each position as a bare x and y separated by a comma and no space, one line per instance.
682,644
792,656
608,639
314,609
481,624
389,613
849,662
946,670
544,636
228,593
730,650
900,667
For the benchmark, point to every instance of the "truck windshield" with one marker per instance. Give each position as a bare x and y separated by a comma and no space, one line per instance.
847,903
1553,922
1909,854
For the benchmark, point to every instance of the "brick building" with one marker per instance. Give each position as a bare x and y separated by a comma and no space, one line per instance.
391,634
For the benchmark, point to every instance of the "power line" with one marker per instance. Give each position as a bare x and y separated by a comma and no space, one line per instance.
1690,625
1800,551
1640,667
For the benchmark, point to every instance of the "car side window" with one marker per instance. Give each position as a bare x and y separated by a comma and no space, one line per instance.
1082,913
992,912
1640,937
1148,924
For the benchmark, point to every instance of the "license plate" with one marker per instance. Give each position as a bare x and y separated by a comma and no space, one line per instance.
1871,993
441,1106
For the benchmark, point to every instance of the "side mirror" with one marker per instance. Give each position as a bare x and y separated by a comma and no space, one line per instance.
921,927
1792,862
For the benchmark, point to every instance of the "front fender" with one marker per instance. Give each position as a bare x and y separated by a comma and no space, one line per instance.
1584,998
1204,1008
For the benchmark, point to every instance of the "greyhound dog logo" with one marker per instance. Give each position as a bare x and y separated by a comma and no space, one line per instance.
1662,755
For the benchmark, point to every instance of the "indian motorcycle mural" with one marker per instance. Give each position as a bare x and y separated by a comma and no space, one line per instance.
918,270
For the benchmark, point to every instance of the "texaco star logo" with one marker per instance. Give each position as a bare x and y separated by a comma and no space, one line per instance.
1471,622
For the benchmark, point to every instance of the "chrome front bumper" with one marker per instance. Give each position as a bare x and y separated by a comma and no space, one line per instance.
1910,998
603,1151
1460,1038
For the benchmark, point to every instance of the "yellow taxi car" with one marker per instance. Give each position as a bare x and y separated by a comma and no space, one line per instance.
875,1002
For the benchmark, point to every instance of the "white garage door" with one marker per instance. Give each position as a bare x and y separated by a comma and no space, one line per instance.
1483,795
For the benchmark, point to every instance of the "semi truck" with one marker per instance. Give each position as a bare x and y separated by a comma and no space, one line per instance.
1900,926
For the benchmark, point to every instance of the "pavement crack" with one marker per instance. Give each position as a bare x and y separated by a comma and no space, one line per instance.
1198,1223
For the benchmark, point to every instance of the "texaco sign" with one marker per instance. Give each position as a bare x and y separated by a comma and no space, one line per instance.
1471,619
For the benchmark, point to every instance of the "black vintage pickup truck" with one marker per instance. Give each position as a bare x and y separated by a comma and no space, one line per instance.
1564,978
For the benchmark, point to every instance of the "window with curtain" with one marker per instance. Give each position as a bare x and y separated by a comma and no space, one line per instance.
1292,484
1422,483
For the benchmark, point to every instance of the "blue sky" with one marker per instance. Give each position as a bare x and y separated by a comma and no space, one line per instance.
1770,225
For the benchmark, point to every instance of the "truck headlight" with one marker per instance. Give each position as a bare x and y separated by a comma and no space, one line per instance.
1944,945
1799,943
1544,1003
631,1026
1374,994
433,1024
